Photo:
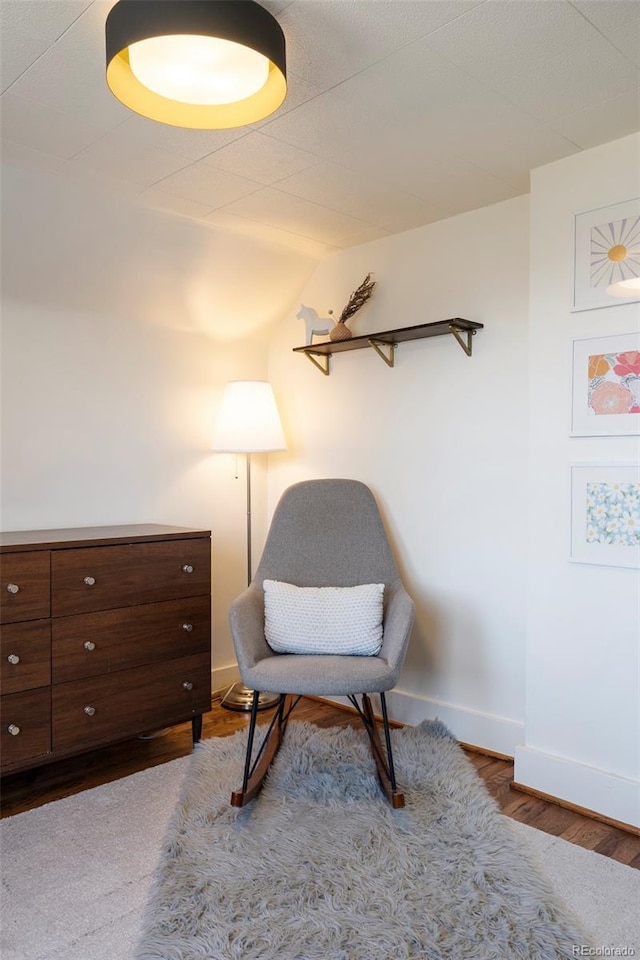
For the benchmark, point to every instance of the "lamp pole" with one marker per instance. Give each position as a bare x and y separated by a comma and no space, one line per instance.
249,565
248,423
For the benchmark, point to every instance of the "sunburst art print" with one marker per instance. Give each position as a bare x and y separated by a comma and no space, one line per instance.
615,251
607,251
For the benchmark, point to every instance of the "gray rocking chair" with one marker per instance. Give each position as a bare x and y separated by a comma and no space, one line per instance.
323,533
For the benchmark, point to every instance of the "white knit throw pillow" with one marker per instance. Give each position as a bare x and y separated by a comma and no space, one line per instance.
338,620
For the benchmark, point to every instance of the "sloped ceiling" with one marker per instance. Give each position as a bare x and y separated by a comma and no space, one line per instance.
398,114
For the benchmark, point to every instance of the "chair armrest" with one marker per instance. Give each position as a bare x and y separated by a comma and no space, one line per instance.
397,624
246,619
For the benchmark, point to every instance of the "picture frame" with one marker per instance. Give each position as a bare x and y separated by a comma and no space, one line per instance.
605,514
605,390
606,250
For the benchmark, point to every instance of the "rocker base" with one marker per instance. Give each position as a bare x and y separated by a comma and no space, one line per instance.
254,775
254,778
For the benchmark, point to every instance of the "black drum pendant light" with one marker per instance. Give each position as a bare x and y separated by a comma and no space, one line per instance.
204,64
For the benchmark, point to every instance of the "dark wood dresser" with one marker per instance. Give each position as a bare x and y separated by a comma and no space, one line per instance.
105,635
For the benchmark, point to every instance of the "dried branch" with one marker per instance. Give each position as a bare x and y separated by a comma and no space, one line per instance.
358,298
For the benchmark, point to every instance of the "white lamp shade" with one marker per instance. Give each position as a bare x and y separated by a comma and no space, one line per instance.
249,421
625,288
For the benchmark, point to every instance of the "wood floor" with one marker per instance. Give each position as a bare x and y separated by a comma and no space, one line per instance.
23,791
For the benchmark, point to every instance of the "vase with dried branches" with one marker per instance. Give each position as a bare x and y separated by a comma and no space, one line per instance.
357,300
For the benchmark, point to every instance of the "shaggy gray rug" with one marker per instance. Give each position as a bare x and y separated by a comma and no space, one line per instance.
320,867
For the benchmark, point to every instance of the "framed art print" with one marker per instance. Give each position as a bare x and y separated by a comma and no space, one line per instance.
606,250
606,386
605,514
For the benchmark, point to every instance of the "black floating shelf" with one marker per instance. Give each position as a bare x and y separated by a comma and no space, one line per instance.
462,330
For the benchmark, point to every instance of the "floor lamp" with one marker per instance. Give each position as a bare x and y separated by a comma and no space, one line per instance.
248,423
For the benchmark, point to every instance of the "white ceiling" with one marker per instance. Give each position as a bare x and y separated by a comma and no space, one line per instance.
398,113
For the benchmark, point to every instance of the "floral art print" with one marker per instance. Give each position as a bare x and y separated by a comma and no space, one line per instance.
606,386
613,513
605,514
614,383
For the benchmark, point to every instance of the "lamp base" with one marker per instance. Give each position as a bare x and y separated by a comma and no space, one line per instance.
239,697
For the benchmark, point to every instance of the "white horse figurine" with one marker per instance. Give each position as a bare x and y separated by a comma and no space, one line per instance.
313,323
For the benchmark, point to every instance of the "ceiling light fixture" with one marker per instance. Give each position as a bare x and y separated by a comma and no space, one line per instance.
204,64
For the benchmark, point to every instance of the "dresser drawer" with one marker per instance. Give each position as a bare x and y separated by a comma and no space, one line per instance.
25,656
24,593
103,578
90,644
30,715
98,710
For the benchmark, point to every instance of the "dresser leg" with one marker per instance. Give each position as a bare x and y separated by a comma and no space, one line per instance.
196,728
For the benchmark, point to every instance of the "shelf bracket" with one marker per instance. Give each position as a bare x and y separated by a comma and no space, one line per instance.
378,345
456,331
322,367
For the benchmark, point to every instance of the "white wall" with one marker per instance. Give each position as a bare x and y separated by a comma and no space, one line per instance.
582,695
441,439
120,327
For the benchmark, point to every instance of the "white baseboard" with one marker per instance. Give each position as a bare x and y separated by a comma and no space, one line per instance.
483,730
223,677
597,790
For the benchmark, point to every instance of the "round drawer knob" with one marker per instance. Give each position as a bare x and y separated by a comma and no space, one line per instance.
89,711
187,568
89,645
13,658
89,581
187,685
13,729
188,627
12,588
